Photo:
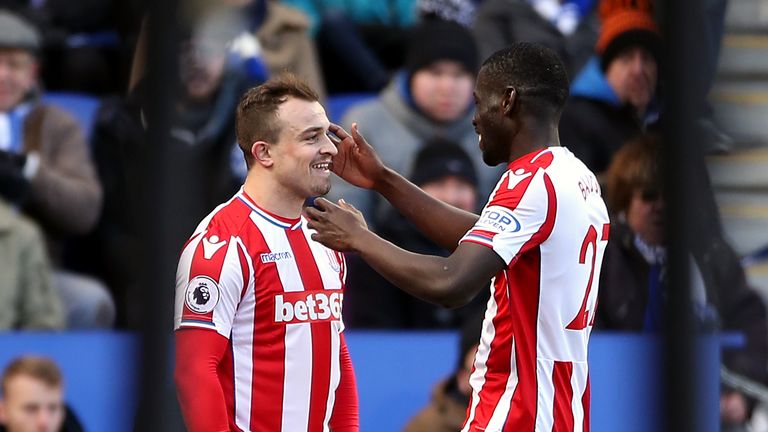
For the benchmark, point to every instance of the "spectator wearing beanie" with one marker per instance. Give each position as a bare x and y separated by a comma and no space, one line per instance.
430,98
446,172
613,98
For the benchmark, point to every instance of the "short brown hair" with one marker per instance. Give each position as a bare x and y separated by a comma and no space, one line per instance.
257,111
40,368
635,166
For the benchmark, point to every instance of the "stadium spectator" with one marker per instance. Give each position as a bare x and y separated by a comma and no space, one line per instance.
85,43
525,245
259,342
202,138
33,398
27,298
359,41
632,282
448,406
268,38
613,97
46,170
568,27
445,171
431,98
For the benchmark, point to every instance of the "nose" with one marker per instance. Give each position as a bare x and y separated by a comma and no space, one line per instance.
328,146
44,422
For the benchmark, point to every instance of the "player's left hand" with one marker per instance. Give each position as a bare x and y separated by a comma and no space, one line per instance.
338,226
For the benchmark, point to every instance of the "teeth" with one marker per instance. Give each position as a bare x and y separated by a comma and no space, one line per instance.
322,166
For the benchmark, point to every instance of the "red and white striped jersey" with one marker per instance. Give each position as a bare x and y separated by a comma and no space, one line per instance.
260,280
547,221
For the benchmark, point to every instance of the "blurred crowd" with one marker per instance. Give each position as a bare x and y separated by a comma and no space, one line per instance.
68,175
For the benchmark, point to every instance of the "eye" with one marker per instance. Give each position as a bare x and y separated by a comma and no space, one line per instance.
313,138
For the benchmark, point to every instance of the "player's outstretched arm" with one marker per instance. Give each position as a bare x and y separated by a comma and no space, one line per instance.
198,353
450,282
358,164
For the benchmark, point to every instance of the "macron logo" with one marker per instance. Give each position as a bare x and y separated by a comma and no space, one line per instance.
211,245
275,256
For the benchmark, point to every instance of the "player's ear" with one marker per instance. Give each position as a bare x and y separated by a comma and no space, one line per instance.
260,150
508,100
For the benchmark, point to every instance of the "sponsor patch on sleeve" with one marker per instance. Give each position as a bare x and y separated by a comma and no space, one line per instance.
202,295
498,219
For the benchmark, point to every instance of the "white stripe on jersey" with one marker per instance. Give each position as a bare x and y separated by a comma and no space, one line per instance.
231,275
182,279
545,403
477,379
579,384
242,347
298,377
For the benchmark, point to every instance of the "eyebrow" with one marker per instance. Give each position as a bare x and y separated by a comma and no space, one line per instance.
311,130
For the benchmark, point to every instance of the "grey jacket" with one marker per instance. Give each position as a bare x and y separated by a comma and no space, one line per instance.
27,298
397,131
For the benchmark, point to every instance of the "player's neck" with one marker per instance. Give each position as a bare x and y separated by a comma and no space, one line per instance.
271,197
532,138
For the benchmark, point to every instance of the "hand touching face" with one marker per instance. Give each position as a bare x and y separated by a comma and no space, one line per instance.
339,227
356,162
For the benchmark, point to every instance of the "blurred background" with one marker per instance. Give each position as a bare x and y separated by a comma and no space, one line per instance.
117,138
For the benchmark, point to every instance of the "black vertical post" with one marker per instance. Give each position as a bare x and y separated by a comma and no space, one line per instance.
156,403
680,62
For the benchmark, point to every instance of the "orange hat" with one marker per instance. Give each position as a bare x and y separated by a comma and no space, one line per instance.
626,23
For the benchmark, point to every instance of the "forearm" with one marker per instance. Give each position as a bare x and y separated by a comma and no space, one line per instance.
440,222
430,278
200,394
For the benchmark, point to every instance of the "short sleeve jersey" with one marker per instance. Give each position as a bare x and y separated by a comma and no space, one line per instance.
262,282
547,220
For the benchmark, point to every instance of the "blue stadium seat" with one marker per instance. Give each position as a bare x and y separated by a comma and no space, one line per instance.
338,104
82,106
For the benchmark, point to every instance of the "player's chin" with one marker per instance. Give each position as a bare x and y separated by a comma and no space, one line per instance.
491,159
321,188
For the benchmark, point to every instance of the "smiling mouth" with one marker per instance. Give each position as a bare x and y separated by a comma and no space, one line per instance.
323,166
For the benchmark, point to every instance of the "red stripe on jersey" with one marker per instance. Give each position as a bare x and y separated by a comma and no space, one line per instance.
563,411
606,232
321,332
585,405
268,344
498,359
507,197
202,266
524,294
483,233
524,286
